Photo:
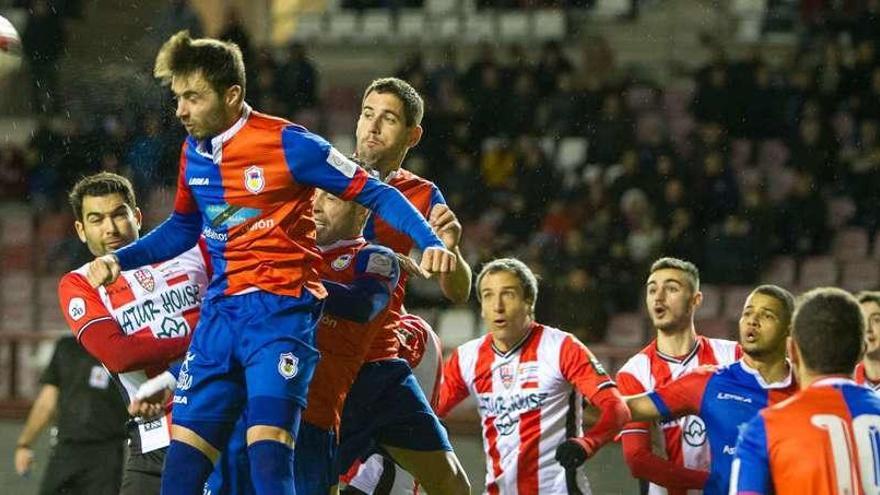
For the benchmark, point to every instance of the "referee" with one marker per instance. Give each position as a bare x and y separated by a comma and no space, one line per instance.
87,453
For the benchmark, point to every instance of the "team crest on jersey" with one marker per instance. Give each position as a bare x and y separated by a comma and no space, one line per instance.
507,375
288,365
76,308
145,278
694,431
342,262
254,180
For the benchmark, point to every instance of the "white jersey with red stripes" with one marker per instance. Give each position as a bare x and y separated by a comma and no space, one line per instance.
861,377
378,475
683,440
163,299
530,399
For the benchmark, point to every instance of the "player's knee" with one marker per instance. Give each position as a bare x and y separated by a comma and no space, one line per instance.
202,436
451,479
273,418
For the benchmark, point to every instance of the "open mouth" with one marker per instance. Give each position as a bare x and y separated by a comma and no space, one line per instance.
500,322
750,336
659,312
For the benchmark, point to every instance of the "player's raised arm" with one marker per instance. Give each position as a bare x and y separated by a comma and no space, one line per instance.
456,284
314,162
171,238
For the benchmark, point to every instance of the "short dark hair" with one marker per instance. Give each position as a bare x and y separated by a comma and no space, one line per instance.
413,105
100,184
868,296
219,62
781,295
690,269
526,277
829,330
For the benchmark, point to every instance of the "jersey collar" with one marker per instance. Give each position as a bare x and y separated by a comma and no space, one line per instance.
784,383
532,326
342,243
832,381
698,343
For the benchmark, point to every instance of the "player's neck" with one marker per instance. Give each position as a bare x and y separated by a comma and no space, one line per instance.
386,169
772,368
504,341
872,369
677,343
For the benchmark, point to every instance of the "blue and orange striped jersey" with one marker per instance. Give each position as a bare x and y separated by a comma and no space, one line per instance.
725,398
423,195
824,440
249,192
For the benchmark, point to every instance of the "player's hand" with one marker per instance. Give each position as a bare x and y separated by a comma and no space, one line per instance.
103,270
438,260
150,399
24,460
573,452
410,266
446,225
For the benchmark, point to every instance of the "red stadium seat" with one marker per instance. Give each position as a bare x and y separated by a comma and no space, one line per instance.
782,272
712,302
818,271
716,328
627,329
850,244
860,275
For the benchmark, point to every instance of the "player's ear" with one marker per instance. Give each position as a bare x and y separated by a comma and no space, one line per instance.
698,299
792,350
80,230
233,95
415,135
138,218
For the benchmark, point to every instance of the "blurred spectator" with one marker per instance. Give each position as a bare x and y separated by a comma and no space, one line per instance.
298,81
43,41
177,16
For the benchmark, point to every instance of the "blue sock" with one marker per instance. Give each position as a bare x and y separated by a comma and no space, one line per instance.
271,467
186,469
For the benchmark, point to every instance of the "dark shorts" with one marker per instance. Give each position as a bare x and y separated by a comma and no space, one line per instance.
84,469
386,406
143,473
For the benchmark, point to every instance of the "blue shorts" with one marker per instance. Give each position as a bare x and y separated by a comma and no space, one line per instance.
385,406
251,345
314,456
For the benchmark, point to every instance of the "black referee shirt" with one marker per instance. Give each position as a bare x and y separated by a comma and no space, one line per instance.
90,409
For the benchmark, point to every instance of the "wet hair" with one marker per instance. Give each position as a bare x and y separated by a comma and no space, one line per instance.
689,269
413,105
100,184
829,330
219,62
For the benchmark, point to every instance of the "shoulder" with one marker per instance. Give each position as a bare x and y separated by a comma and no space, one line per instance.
75,283
725,350
266,122
378,260
404,179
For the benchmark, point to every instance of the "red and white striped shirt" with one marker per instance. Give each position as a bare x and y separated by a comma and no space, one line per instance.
150,306
861,377
683,440
530,399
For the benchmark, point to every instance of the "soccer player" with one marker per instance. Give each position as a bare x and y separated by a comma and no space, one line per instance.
530,381
672,297
727,397
140,323
388,126
87,456
824,439
247,183
868,370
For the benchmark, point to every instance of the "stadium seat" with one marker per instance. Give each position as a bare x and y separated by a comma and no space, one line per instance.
571,153
342,26
712,302
626,329
549,24
309,27
16,227
441,6
411,25
782,271
734,299
456,326
514,26
860,275
840,211
479,27
446,28
850,244
716,328
818,271
609,9
376,25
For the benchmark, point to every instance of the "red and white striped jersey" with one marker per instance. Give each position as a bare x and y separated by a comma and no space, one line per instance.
530,399
683,440
163,299
861,377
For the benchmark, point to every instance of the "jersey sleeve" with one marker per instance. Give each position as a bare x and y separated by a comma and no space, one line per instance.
172,237
630,385
750,472
436,197
581,368
453,388
683,396
376,274
81,304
